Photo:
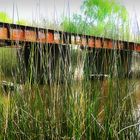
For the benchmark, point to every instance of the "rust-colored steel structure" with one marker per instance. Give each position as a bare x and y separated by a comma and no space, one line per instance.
57,47
13,33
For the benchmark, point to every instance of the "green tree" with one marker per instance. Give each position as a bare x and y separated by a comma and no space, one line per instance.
5,18
22,22
102,10
100,18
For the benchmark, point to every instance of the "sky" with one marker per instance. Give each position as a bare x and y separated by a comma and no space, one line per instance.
35,9
133,8
54,9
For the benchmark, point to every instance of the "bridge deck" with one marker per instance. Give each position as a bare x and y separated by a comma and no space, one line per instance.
18,34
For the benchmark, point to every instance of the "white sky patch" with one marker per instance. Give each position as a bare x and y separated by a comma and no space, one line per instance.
133,9
36,9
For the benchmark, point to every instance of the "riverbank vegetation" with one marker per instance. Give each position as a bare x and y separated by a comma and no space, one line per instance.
71,103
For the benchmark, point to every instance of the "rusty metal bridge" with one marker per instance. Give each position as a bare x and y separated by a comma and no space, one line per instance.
18,34
99,56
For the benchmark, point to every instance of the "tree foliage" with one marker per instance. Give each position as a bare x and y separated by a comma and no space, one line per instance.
101,10
100,18
22,22
4,17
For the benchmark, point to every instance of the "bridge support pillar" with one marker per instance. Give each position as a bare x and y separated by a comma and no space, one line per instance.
108,62
44,63
99,62
124,63
51,62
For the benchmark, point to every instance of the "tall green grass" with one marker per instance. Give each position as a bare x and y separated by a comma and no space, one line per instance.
65,107
8,62
58,99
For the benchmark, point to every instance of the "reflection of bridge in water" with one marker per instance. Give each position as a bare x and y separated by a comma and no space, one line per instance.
52,51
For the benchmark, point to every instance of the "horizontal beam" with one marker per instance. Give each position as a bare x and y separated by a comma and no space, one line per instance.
23,34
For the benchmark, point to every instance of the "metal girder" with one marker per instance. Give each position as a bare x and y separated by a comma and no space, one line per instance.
19,34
